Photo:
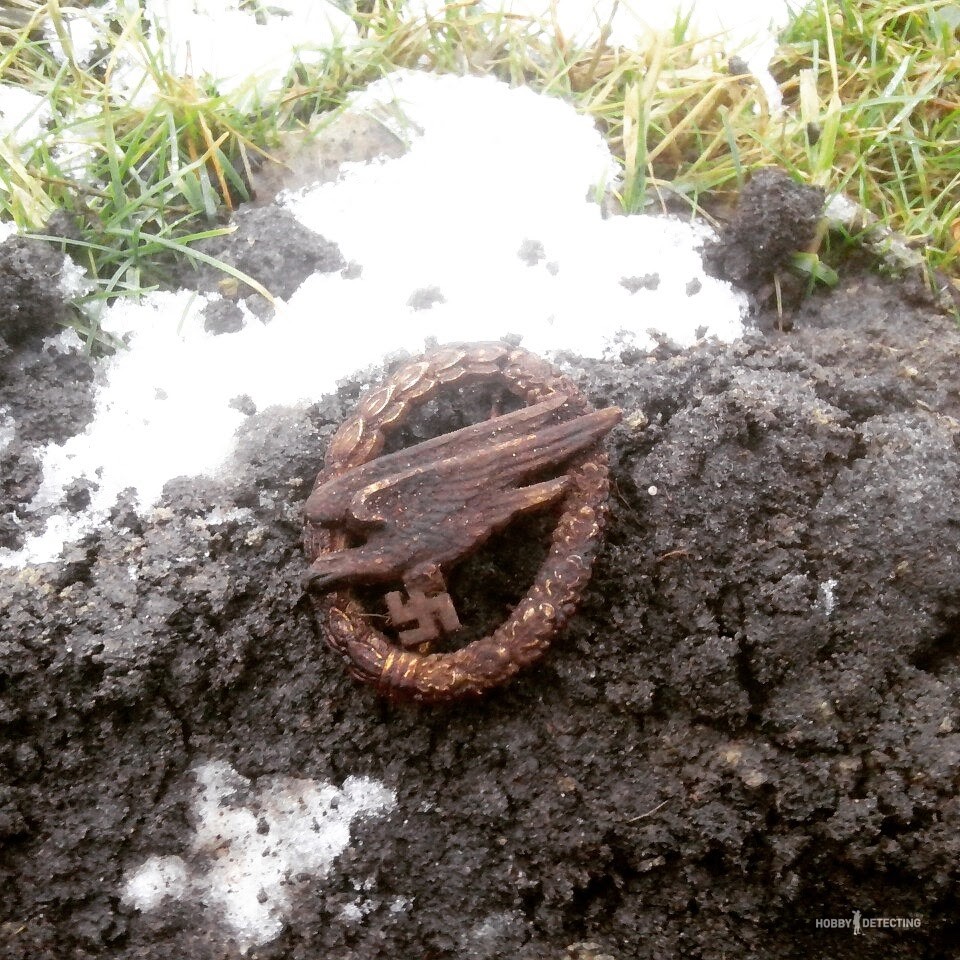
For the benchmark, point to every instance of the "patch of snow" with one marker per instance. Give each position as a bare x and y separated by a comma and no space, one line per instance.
356,910
156,880
47,545
491,170
236,514
8,429
66,341
224,44
826,598
78,141
86,29
487,936
360,907
73,281
7,229
251,842
23,116
842,209
494,171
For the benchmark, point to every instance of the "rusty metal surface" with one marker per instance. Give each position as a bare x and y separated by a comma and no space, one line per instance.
425,507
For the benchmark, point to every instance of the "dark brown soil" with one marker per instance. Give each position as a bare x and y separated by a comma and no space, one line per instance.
751,725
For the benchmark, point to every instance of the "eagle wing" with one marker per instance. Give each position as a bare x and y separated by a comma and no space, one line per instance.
343,498
437,501
474,480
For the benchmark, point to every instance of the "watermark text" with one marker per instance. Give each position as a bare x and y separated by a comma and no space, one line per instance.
857,922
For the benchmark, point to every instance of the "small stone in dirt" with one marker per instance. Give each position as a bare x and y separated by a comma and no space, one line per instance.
587,950
649,281
222,316
76,496
531,252
425,298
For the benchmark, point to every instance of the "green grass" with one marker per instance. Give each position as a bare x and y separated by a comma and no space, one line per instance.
871,92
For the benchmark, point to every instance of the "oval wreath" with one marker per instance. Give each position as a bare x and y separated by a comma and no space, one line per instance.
526,635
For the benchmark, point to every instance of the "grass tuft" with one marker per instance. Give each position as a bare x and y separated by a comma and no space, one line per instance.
870,92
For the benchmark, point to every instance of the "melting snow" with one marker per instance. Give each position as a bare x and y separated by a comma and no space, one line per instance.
250,845
492,174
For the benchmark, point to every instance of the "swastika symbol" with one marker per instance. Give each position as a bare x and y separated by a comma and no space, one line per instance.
432,615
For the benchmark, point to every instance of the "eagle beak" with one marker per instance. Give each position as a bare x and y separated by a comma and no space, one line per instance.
308,583
332,568
316,581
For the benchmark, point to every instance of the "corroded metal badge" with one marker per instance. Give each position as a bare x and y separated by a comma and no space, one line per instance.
406,518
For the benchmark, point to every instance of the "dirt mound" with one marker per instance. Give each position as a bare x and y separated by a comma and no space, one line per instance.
748,732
